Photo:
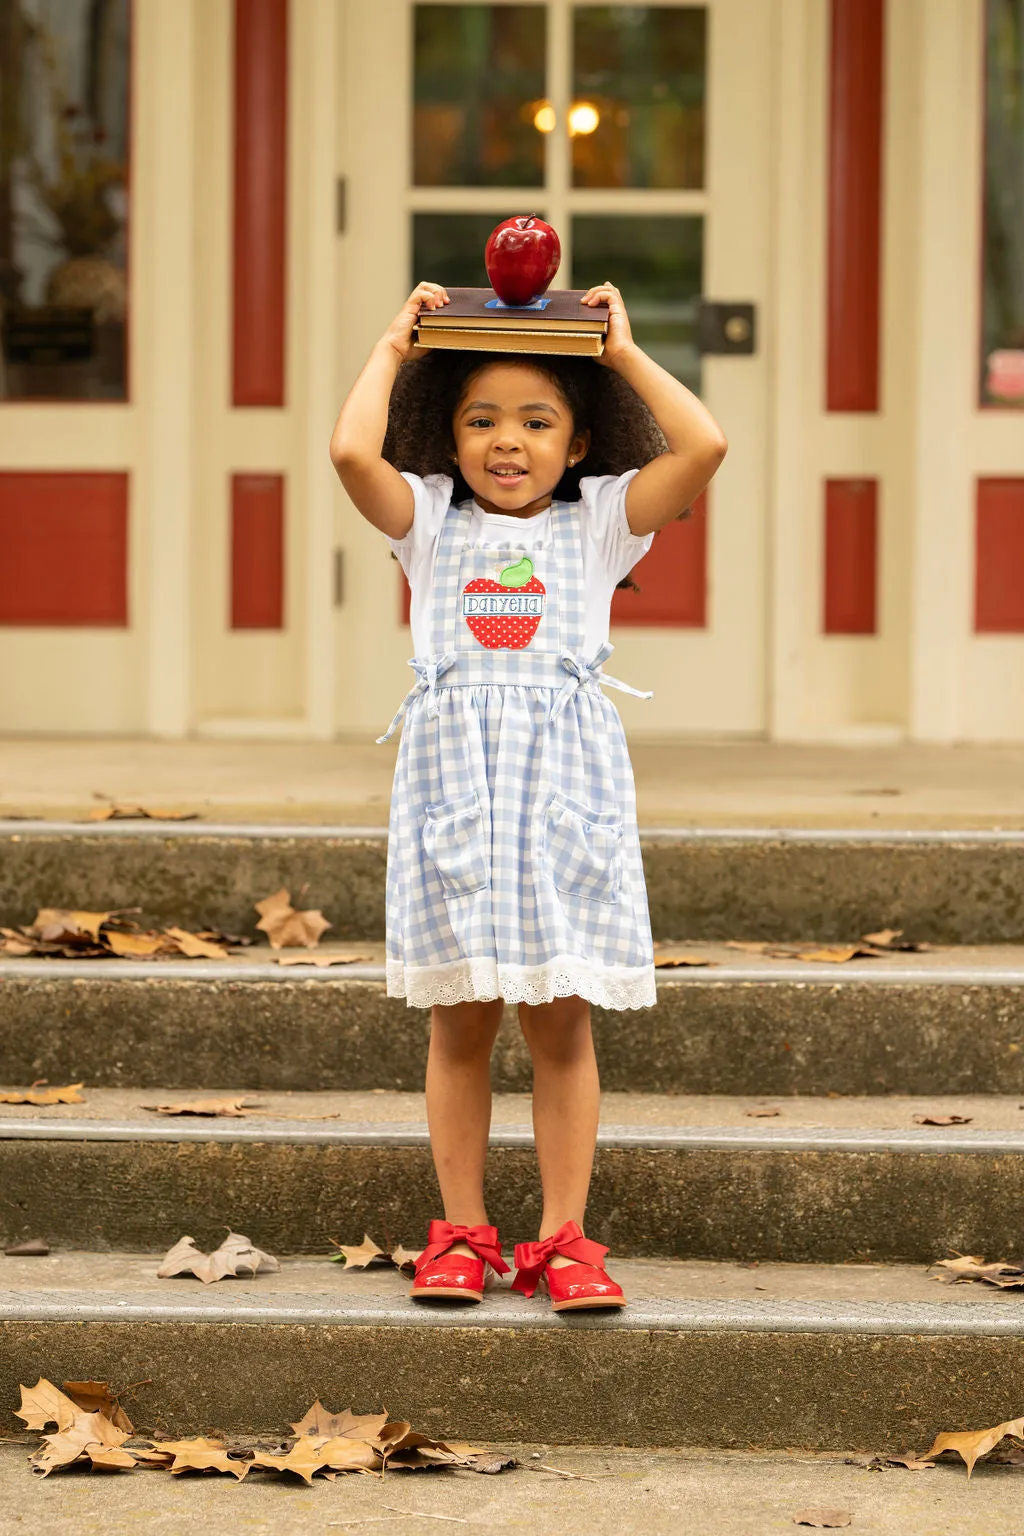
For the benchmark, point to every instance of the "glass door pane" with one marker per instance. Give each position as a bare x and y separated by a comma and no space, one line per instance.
478,73
637,118
657,262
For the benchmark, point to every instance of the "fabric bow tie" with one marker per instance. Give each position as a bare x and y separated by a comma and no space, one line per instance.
568,1241
483,1241
581,672
427,674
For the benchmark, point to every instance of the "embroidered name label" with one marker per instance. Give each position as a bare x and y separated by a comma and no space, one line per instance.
510,604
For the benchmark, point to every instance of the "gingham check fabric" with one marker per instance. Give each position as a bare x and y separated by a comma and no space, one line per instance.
514,865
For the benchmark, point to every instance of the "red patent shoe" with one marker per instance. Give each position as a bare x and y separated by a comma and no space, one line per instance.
456,1276
571,1287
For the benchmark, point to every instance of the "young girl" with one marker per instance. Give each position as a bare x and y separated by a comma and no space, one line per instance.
517,493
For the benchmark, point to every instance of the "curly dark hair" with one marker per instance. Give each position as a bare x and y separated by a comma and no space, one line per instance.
623,433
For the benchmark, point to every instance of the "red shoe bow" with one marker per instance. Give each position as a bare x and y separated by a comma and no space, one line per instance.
531,1258
441,1235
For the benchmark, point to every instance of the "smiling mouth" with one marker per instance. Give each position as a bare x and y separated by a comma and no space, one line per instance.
507,472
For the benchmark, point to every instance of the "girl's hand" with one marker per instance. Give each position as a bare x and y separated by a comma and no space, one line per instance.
619,339
398,335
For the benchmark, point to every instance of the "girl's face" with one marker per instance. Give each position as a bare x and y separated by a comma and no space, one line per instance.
514,436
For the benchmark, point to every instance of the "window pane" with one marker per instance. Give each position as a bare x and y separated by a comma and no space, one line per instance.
1002,355
479,83
449,248
657,262
638,96
64,68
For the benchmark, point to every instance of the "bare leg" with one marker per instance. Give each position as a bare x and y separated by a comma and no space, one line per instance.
459,1105
566,1103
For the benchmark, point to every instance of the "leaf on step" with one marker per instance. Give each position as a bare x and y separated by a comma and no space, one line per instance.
12,943
231,1109
138,946
236,1256
942,1119
195,947
285,927
892,939
882,1462
762,1112
838,954
45,1404
829,1519
202,1454
355,1426
674,962
138,813
304,1458
357,1256
490,1462
90,1436
96,1397
972,1444
323,960
32,1247
971,1266
70,1094
61,925
826,954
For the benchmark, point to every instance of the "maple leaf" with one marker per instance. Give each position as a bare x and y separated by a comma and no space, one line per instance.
967,1266
357,1257
230,1108
285,927
71,1094
942,1119
972,1444
674,962
761,1112
235,1256
202,1454
138,813
322,960
91,1435
195,947
45,1404
96,1397
138,946
303,1458
60,925
355,1426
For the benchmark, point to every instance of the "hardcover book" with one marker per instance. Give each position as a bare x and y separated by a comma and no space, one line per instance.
476,320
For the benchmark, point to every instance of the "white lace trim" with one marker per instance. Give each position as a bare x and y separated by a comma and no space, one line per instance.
481,981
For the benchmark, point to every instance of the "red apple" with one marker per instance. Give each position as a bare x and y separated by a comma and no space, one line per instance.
521,257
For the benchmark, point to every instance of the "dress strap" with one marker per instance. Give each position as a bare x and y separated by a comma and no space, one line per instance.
581,672
444,597
568,547
427,673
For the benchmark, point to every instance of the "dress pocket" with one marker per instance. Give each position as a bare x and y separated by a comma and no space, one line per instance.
584,849
453,840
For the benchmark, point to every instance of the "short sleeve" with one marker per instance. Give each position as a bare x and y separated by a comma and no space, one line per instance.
431,499
603,503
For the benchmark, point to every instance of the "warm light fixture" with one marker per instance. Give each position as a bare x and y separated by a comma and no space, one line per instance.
544,118
583,117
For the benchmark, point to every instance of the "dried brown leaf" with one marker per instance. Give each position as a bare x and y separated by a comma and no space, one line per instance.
195,947
323,960
942,1119
761,1113
96,1397
285,927
967,1266
972,1444
675,962
830,1519
138,946
228,1108
838,954
138,813
303,1458
70,1094
90,1435
31,1248
358,1256
203,1454
880,1463
45,1404
60,924
235,1256
14,944
356,1426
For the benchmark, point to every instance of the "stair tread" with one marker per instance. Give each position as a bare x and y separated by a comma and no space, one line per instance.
663,1293
332,1113
967,964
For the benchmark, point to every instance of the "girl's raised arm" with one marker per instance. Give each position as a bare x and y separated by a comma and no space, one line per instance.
696,443
376,487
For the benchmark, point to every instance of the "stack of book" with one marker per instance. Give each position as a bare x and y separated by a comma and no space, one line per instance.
477,321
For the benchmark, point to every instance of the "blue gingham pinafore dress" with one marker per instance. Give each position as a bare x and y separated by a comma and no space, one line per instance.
514,866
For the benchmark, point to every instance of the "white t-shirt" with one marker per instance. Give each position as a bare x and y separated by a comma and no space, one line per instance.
610,550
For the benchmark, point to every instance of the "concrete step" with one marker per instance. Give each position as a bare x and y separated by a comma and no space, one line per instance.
818,1357
745,1024
828,1180
956,887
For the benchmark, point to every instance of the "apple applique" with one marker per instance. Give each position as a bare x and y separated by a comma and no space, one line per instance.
521,257
504,615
